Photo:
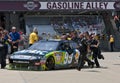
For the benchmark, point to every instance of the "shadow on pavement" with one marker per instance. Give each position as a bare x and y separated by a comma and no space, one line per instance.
116,64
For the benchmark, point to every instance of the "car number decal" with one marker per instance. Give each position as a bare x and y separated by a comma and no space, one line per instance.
68,58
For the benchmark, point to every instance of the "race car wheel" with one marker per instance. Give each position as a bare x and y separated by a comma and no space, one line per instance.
10,61
50,63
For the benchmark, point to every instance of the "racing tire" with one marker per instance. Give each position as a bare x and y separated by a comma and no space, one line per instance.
50,63
10,61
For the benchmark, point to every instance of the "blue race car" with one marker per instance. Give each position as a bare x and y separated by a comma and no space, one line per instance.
46,55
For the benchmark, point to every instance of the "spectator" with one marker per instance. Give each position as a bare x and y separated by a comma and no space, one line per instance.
44,36
111,42
15,37
63,37
33,37
22,40
7,40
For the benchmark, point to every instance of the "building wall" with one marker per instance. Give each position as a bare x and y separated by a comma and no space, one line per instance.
11,20
13,17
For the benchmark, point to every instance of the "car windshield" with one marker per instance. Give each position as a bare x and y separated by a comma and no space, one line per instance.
44,46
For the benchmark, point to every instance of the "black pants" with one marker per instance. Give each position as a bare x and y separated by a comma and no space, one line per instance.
111,46
82,60
95,56
2,58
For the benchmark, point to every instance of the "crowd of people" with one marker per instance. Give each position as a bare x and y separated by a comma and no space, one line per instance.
8,39
86,44
83,23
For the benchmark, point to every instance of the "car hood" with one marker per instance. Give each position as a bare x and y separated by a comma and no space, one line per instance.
33,52
28,54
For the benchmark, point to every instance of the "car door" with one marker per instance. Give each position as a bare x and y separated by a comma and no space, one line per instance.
59,54
76,53
65,54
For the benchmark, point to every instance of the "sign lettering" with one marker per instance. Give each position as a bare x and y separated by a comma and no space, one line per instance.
77,5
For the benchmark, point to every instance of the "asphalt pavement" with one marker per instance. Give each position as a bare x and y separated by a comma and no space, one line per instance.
108,73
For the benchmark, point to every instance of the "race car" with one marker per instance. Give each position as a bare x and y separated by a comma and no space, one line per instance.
46,55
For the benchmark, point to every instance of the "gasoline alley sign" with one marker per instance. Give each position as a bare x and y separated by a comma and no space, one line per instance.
74,5
37,5
77,5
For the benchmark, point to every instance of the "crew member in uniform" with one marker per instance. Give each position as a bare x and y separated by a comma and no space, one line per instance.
83,48
94,46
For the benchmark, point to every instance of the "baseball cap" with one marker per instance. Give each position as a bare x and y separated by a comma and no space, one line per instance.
13,27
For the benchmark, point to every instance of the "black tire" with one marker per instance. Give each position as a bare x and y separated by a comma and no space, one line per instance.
50,63
10,61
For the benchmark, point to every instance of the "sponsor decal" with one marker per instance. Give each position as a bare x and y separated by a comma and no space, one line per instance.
58,56
33,51
77,54
21,61
21,56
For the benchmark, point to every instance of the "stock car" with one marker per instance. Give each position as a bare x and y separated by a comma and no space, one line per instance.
46,55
